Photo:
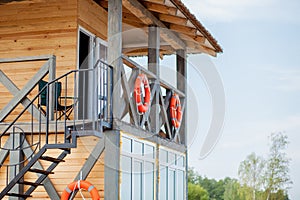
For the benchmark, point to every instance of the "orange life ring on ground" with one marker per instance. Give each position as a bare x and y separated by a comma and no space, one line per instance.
76,185
139,82
175,110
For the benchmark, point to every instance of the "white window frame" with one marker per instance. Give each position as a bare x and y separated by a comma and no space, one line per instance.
173,167
143,159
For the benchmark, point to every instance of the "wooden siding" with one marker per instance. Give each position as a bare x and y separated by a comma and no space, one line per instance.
93,17
65,172
32,28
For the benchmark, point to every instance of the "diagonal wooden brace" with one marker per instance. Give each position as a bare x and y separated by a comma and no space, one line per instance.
21,94
13,89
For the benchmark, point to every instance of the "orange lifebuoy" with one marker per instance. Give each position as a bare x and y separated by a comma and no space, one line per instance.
175,110
76,185
142,81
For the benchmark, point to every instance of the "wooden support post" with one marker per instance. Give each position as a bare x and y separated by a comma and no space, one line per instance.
112,165
15,158
115,51
153,66
153,49
182,86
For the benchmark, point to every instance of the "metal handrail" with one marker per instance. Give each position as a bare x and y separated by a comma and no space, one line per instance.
47,87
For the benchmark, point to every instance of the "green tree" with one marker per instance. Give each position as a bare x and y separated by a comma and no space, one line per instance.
251,173
193,176
196,192
277,173
232,190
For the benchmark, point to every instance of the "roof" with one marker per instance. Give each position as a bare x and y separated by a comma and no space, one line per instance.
178,24
197,23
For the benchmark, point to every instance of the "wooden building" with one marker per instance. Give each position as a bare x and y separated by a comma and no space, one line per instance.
72,106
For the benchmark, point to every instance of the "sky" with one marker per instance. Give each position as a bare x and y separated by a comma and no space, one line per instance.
260,72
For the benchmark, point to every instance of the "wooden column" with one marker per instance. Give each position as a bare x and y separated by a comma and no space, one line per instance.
115,51
15,158
153,66
181,66
112,165
153,49
112,138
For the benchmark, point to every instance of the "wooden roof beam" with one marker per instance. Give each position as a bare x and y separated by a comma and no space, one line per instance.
183,29
198,39
157,1
148,18
160,8
172,19
201,48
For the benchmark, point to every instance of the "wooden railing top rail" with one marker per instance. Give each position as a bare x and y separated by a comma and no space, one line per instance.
132,64
25,59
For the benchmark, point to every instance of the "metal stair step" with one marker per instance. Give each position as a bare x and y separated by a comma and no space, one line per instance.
19,195
29,183
40,171
51,159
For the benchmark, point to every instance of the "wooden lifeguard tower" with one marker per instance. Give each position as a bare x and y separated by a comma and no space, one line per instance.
71,107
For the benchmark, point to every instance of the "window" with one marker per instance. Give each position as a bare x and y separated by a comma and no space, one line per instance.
137,169
126,177
172,175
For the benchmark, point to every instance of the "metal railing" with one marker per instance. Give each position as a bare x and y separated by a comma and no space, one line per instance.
82,99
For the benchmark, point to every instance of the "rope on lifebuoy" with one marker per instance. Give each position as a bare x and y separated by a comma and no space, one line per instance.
78,185
175,110
142,81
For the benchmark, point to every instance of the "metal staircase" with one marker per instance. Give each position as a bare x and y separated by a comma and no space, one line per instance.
43,135
29,168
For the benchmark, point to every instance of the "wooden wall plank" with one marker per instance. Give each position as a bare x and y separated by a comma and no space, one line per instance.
65,172
32,28
93,17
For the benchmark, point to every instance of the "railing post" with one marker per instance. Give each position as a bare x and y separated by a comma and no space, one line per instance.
52,71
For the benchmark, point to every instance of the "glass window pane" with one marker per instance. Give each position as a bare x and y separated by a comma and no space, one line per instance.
126,145
180,161
180,185
138,180
163,156
138,148
171,187
126,177
149,151
149,181
171,158
163,183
